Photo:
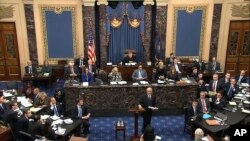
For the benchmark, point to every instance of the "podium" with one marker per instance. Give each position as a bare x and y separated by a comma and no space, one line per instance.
136,112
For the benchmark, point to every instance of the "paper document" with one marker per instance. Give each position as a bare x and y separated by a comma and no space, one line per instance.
60,131
122,82
25,102
33,109
245,111
59,121
144,82
232,103
6,94
46,74
153,108
55,117
113,83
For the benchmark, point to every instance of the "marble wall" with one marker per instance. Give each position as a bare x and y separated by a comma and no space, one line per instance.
29,15
103,35
215,31
147,32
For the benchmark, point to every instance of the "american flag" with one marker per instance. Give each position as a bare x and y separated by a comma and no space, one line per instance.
91,48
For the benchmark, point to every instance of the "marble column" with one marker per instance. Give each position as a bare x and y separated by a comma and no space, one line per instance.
29,15
215,31
103,34
147,32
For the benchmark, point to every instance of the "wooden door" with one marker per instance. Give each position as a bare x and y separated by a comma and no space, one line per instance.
238,48
9,57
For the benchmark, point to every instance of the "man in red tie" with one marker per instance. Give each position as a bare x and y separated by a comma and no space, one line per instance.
215,85
203,103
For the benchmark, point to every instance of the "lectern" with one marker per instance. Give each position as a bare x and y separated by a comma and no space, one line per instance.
136,112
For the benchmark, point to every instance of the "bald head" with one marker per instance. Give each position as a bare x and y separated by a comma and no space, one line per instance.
149,91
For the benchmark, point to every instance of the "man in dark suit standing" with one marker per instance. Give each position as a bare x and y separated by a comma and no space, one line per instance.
139,74
54,109
203,103
81,111
231,89
241,78
30,68
2,105
214,66
192,110
146,102
23,121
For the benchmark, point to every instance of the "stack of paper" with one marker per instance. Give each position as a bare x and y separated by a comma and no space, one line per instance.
232,103
245,111
25,102
160,81
46,74
7,94
135,84
113,83
144,82
44,117
122,82
34,110
58,121
244,84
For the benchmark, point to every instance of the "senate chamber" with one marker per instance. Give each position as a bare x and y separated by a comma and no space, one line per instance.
124,70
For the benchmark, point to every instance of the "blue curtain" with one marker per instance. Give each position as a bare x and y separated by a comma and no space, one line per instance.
125,37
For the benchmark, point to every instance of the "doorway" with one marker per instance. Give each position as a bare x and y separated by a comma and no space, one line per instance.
238,48
9,55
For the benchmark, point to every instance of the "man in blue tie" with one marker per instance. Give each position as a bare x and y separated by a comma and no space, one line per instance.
139,74
241,78
231,89
54,108
82,112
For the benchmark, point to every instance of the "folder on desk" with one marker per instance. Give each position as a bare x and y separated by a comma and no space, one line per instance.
206,116
212,122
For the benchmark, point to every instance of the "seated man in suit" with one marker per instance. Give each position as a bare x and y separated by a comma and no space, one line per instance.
36,127
23,121
177,66
192,111
226,79
219,102
170,60
92,68
214,66
200,65
87,76
201,87
30,68
70,71
203,103
241,78
46,67
139,74
54,109
129,58
194,73
215,85
81,111
81,62
231,89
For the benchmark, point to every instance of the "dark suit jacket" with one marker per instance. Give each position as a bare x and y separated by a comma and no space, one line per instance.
144,102
179,66
219,86
201,66
234,91
160,72
23,123
33,69
210,66
199,106
2,110
191,112
51,111
169,61
194,75
35,128
220,105
174,77
223,81
243,79
93,69
11,117
74,112
199,89
77,62
127,60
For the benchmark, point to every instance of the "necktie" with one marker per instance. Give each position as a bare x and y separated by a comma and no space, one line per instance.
214,66
30,71
204,108
55,111
194,111
79,112
149,100
214,86
80,63
229,93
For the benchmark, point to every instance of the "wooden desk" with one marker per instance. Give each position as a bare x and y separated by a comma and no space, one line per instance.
127,71
5,133
38,77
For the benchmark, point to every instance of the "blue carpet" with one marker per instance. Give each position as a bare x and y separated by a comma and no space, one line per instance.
170,128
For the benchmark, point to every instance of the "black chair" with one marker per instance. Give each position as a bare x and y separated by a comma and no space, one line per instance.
26,136
11,85
188,125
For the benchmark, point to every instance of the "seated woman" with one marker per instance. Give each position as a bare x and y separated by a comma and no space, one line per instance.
173,74
160,71
115,75
86,75
148,134
46,67
41,100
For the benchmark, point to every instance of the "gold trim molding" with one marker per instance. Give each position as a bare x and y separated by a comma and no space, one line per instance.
242,11
190,10
6,11
58,9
